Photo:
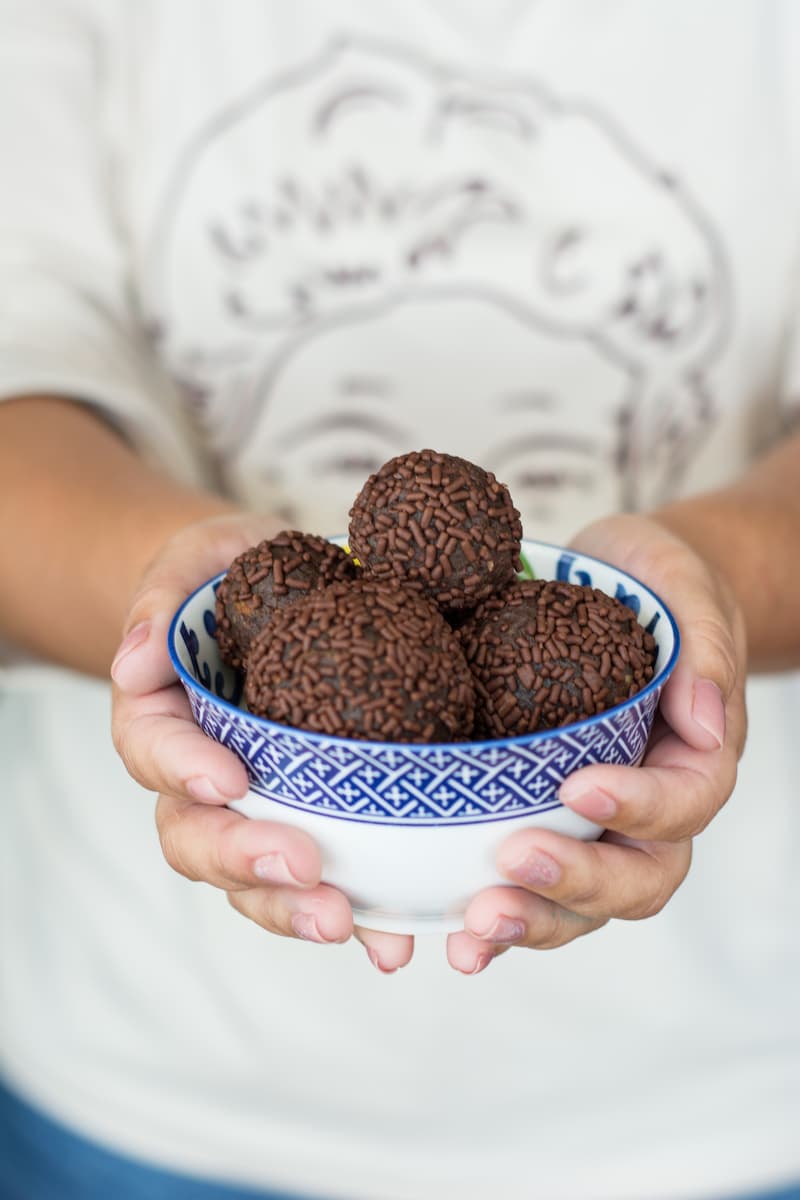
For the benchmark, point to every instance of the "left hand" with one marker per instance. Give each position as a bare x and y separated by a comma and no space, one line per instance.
565,887
270,871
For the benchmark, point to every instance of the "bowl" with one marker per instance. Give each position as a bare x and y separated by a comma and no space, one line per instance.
409,832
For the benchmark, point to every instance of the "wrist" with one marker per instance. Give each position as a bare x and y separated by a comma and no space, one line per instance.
741,539
81,514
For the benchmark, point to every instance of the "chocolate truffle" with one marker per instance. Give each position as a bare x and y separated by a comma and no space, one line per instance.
362,660
439,524
268,577
547,653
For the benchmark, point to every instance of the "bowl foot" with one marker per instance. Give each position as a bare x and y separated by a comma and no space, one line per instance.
397,923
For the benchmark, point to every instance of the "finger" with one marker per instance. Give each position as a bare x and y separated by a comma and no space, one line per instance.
671,797
165,751
386,951
614,877
229,851
142,662
468,954
320,915
500,918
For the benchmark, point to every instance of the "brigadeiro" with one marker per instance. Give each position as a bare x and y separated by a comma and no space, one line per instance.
269,577
439,524
547,653
363,660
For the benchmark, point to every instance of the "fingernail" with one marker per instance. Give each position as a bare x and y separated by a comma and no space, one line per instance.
273,868
129,643
376,962
536,869
595,804
305,926
481,962
708,710
504,929
201,788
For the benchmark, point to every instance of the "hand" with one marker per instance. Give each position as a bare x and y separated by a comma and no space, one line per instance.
566,888
271,872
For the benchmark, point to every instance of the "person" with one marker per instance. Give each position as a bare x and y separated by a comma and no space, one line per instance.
247,254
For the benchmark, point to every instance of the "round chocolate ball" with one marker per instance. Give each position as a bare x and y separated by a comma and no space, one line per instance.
439,524
548,653
268,577
362,660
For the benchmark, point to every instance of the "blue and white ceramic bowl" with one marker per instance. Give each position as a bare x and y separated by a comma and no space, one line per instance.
410,832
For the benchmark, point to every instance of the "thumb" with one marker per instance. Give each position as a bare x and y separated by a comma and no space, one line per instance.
695,700
190,557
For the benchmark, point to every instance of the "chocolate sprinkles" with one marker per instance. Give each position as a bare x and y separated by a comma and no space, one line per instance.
439,524
433,637
267,577
363,659
547,653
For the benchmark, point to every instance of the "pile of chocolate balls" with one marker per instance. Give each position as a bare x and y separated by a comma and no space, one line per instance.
424,631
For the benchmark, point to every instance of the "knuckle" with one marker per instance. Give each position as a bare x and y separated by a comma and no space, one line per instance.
727,783
566,927
124,743
548,938
667,875
170,836
647,810
686,807
156,572
256,904
142,606
219,866
692,826
550,931
739,738
587,892
152,592
717,651
712,795
648,906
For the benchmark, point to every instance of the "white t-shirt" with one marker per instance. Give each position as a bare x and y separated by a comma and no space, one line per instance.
279,243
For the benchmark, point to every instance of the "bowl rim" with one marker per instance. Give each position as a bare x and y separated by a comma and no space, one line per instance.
486,744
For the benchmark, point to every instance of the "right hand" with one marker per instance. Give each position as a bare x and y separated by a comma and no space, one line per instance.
271,872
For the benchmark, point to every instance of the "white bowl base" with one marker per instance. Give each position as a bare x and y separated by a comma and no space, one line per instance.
397,923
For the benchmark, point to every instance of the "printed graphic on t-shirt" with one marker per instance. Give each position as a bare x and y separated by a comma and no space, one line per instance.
374,252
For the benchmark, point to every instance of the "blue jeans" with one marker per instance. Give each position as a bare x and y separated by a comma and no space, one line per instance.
792,1192
42,1160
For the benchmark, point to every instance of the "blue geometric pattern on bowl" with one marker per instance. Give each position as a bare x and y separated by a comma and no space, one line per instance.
414,784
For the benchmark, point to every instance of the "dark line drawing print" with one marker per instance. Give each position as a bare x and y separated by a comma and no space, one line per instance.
376,178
